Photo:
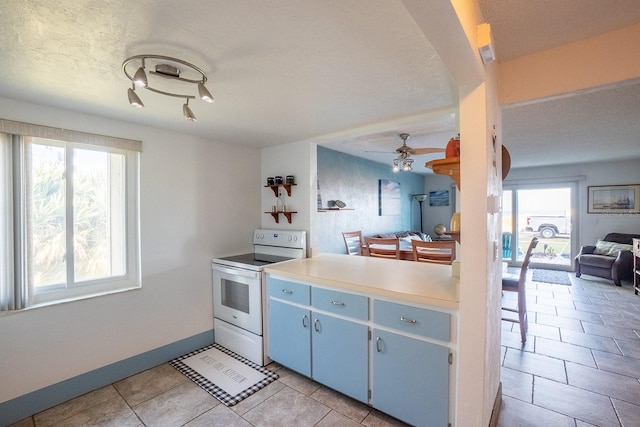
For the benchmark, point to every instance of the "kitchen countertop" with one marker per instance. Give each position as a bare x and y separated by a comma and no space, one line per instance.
424,283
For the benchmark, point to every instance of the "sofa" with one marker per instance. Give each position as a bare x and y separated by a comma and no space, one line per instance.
610,258
399,235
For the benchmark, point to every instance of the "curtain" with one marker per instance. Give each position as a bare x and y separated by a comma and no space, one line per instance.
12,290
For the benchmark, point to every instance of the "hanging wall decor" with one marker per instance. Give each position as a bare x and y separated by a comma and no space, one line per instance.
439,198
388,197
614,199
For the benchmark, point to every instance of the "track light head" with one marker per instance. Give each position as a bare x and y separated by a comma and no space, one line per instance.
134,99
140,78
204,93
188,114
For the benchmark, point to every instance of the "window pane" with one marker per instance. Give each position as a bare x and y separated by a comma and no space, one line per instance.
46,214
98,215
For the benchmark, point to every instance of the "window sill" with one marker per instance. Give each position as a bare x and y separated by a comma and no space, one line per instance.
68,300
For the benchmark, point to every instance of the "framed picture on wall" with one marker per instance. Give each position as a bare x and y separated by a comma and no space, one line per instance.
439,198
614,199
388,197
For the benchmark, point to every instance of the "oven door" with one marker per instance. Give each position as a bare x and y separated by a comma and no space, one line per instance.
237,297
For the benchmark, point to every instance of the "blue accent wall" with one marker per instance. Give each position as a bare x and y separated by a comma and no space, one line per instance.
355,181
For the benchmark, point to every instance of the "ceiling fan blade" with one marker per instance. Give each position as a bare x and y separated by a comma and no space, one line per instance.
418,151
384,152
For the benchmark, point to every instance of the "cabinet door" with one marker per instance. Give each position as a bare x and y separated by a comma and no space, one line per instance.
410,379
289,336
340,350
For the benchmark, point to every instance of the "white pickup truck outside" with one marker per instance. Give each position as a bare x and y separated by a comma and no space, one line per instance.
548,225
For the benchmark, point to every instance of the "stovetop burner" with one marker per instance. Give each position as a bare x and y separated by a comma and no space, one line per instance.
255,259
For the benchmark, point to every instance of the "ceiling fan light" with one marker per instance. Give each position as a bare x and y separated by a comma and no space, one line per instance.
140,78
188,114
134,99
204,93
396,166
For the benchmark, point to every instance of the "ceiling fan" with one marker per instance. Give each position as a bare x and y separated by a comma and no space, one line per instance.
404,160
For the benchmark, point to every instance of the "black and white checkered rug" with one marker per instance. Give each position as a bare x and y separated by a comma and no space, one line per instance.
220,362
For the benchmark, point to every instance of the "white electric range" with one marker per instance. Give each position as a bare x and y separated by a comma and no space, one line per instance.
239,304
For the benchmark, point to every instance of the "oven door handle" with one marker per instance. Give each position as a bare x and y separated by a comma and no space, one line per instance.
236,271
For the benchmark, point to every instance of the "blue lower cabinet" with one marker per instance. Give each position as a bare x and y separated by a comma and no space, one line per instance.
289,336
339,355
410,379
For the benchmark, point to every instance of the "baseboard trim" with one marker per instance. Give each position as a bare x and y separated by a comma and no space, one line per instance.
21,407
497,406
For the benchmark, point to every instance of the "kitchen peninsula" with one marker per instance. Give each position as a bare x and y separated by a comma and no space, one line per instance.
381,331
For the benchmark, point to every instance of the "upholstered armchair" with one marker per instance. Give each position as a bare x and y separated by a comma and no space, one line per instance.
611,258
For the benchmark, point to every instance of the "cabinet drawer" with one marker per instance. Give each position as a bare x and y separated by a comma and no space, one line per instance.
356,306
288,291
421,321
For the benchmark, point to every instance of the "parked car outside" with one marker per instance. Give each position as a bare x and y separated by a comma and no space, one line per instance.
549,226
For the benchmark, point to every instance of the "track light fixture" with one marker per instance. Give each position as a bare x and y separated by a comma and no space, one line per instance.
188,114
167,68
134,99
204,93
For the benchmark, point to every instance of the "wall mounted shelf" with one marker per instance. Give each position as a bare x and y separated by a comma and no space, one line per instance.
276,215
449,166
276,187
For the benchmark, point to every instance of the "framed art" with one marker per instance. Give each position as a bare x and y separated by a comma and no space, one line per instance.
614,199
388,197
439,198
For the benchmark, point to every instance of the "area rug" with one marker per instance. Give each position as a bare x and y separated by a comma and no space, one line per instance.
228,377
551,276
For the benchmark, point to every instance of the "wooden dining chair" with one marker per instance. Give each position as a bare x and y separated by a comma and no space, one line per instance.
353,242
437,252
518,283
382,248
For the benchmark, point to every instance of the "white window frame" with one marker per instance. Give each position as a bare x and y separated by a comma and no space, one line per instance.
130,149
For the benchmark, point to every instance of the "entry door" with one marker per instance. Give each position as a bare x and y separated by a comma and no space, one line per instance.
542,212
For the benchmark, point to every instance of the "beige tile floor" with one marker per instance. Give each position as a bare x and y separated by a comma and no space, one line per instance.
579,367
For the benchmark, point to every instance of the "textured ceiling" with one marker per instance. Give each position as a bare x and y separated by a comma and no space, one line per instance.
280,70
602,125
522,27
589,126
346,73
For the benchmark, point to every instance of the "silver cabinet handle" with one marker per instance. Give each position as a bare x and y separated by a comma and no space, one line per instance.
315,325
404,319
287,291
304,321
378,349
337,303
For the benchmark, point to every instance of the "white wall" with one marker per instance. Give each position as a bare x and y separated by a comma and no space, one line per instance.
300,160
195,204
590,227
